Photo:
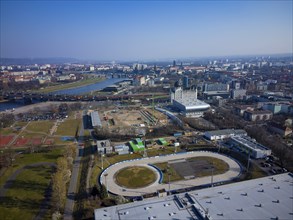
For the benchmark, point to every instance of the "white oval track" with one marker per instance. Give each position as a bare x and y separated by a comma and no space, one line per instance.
234,171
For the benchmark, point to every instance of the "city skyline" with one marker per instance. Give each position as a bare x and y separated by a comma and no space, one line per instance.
144,30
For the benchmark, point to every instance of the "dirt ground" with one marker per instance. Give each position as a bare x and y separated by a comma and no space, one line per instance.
135,117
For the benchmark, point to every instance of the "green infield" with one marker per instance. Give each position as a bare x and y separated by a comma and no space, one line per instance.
135,177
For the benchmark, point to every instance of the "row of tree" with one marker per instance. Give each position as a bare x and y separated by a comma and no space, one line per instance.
61,178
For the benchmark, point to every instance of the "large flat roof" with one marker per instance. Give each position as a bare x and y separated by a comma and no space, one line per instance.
263,198
249,142
226,132
96,121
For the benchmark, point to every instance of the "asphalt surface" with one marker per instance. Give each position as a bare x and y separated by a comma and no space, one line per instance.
109,180
69,205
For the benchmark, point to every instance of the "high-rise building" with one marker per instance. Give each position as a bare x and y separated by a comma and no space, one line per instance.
185,82
174,63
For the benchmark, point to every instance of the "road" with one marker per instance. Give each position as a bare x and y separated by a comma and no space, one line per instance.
72,190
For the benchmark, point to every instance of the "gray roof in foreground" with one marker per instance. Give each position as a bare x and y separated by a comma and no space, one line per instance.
226,132
263,198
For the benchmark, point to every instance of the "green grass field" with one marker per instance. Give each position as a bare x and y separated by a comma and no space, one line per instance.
26,159
68,128
23,199
8,131
40,126
174,176
135,177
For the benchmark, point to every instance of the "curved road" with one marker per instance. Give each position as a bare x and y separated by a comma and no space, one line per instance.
108,179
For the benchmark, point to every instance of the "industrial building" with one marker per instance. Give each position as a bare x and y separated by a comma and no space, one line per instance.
223,134
187,103
262,198
137,145
95,118
121,149
250,146
104,147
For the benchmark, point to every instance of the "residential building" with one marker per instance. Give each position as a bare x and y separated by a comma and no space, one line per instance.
263,115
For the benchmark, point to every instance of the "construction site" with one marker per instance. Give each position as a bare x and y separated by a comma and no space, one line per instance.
134,118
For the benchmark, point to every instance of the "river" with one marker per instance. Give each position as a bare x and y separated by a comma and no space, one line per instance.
73,91
89,88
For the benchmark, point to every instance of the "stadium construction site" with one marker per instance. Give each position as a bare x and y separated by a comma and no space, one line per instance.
131,117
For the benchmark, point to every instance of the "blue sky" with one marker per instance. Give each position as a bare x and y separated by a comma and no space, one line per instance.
137,30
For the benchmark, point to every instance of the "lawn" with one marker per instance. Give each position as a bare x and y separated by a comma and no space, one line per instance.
23,199
25,159
40,126
135,177
162,151
8,131
68,128
174,176
30,135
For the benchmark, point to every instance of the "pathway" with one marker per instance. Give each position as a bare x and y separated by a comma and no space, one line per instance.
69,205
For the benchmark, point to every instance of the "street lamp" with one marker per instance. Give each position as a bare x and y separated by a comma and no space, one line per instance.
212,177
168,170
102,155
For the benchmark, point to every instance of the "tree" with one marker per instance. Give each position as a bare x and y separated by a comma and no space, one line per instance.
59,191
95,191
62,164
104,192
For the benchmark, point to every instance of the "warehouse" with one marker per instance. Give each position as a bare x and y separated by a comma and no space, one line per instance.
223,134
96,121
262,198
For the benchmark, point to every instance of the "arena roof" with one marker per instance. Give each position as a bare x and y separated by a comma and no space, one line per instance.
263,198
192,104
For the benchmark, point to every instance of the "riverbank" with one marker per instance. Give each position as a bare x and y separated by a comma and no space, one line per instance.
77,84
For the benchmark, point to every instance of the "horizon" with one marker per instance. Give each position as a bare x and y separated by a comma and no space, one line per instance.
128,30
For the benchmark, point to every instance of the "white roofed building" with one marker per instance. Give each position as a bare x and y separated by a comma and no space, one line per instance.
187,103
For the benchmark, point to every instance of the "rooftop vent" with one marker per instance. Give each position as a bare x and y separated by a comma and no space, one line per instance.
262,190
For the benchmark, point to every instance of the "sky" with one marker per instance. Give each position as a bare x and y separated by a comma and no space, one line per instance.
137,30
